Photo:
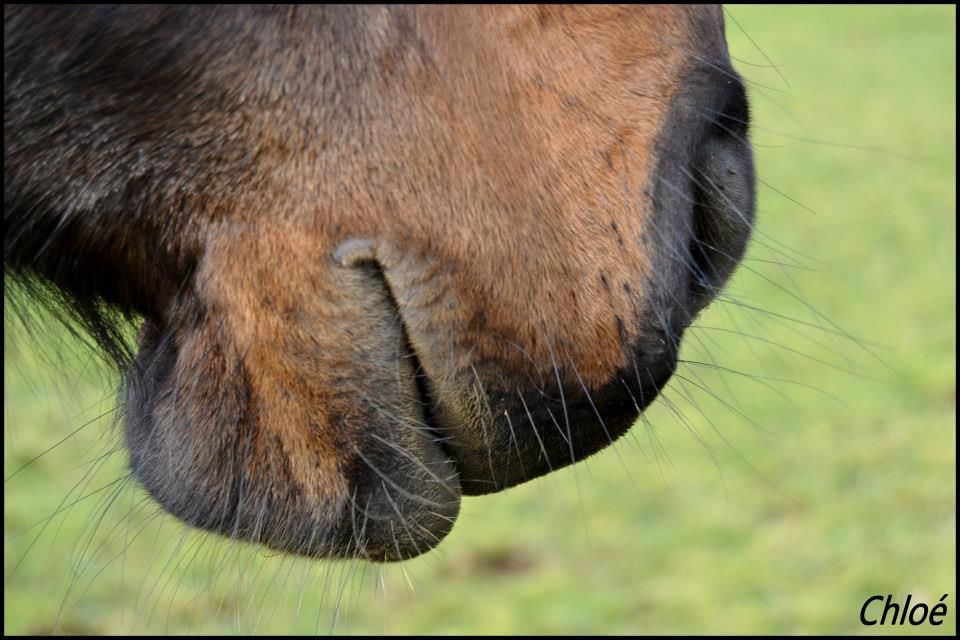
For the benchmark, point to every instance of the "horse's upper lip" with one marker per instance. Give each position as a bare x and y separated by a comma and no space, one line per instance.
498,429
505,438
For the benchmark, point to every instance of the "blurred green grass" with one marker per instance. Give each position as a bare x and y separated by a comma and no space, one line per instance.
847,490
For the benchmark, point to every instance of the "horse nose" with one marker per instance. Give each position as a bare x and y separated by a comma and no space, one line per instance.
723,184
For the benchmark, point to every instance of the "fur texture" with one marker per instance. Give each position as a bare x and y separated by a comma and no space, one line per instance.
383,255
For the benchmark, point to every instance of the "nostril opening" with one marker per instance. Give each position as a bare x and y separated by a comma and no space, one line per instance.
722,186
733,117
723,210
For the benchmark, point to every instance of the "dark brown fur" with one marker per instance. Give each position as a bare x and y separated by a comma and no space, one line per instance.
384,255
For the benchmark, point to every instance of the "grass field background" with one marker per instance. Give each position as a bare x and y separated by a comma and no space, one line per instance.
776,504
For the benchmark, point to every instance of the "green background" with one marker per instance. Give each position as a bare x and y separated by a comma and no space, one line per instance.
775,504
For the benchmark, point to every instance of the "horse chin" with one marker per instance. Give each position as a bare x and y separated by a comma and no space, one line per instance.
204,455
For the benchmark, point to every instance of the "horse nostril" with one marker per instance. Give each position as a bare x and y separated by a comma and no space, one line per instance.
722,182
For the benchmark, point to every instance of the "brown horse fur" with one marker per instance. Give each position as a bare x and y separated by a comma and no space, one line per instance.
383,255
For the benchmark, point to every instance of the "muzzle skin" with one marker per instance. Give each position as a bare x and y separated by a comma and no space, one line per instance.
382,256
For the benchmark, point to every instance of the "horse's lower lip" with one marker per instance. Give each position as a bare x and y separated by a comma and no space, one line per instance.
400,494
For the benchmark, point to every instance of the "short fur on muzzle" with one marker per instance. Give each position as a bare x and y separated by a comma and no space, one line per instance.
381,257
